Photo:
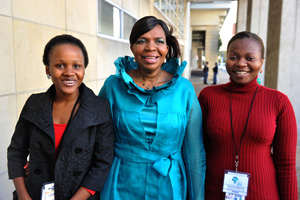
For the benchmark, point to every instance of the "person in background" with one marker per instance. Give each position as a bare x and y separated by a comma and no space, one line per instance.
67,131
250,131
205,71
215,69
159,152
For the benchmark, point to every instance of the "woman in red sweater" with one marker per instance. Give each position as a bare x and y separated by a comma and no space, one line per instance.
250,131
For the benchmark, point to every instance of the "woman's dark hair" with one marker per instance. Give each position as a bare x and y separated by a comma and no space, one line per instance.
146,24
64,39
248,34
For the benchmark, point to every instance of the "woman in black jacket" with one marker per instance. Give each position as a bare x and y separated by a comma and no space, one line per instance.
67,131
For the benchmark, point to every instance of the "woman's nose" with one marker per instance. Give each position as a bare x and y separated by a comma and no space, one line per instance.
151,46
69,71
242,62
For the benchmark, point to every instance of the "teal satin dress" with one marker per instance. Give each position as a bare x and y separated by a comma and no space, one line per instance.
159,152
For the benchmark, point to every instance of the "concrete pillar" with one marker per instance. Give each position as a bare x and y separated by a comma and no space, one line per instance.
200,61
211,47
241,15
283,47
187,40
273,44
259,23
194,61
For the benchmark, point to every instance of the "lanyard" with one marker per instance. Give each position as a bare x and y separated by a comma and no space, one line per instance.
235,147
71,116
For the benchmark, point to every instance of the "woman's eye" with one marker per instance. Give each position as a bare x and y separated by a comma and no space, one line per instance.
140,41
77,66
233,57
60,66
250,58
161,41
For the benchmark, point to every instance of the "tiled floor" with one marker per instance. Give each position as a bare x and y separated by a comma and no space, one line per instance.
223,78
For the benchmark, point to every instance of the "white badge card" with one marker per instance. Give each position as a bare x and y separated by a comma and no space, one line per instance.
231,196
236,183
48,191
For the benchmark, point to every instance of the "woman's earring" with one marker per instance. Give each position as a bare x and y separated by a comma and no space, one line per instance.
48,76
261,71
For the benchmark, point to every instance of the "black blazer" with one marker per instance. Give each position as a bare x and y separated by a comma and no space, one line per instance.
86,149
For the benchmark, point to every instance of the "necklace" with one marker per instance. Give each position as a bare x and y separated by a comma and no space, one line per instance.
148,87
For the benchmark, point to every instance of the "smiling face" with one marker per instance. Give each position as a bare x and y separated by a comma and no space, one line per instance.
66,68
244,60
150,49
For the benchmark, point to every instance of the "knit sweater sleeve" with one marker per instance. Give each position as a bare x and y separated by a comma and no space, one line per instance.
284,149
202,98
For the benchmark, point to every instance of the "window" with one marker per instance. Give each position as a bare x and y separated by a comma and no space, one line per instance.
114,21
128,24
173,10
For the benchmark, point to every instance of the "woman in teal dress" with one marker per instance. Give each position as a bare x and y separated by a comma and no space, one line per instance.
159,152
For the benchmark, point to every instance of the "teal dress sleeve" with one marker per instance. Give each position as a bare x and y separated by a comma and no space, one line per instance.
102,92
194,153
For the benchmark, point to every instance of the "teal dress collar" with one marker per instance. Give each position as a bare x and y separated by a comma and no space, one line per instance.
127,63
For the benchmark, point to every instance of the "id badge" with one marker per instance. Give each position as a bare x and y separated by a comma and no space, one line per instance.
235,185
231,196
48,191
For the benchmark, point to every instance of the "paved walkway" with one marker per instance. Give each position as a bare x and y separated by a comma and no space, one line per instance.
224,78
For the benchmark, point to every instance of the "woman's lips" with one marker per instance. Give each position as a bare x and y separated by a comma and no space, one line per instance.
150,59
69,83
241,73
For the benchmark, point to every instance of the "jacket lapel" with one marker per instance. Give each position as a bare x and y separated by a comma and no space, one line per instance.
90,113
40,114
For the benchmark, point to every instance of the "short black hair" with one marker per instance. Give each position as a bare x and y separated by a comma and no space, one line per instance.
146,24
250,35
64,39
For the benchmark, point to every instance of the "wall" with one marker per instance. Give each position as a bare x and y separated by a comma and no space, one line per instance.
206,17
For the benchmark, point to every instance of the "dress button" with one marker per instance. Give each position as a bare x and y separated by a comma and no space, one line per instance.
37,145
38,171
78,150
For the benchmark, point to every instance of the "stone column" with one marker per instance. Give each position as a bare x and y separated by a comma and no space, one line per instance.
259,23
242,15
211,48
187,40
194,61
283,47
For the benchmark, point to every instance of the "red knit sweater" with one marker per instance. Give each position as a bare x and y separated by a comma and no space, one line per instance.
272,123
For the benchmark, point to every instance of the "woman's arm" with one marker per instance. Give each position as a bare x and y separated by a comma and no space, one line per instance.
194,153
284,150
22,192
81,194
17,153
103,154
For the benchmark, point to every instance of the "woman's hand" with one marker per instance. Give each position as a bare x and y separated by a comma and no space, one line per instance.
22,192
26,168
81,194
